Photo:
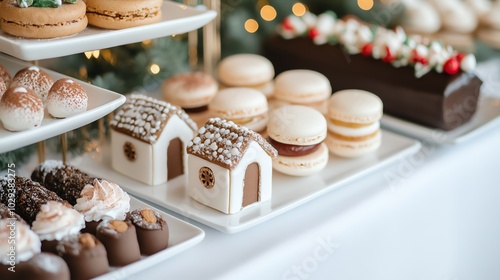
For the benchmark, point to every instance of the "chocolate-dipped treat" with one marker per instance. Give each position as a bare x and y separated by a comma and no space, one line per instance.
120,240
65,180
44,266
101,201
152,230
85,256
6,213
30,196
18,243
54,222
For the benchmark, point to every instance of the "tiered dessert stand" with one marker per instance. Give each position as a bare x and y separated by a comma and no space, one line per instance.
176,19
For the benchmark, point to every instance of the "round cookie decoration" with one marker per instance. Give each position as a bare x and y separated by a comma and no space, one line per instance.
42,19
120,14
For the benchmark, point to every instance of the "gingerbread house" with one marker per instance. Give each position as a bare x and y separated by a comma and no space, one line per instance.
229,166
149,138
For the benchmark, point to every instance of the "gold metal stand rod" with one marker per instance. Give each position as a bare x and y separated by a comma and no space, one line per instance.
211,38
64,147
41,151
192,41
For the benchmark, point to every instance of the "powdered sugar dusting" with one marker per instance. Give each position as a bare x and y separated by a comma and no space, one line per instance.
224,142
144,118
66,98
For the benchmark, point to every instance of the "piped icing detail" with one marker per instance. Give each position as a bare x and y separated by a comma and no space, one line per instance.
103,201
27,243
55,221
390,46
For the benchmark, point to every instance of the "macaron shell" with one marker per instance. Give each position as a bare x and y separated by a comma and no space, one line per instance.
355,106
354,132
302,86
119,14
235,103
245,70
352,149
42,23
258,124
297,125
303,165
190,90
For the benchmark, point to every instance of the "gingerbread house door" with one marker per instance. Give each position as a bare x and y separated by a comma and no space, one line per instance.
175,161
251,184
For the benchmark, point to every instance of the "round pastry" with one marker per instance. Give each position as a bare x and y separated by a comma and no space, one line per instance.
244,106
191,91
4,74
20,109
303,87
55,221
152,230
297,133
46,266
247,70
491,17
35,79
120,14
353,123
100,201
455,16
41,22
120,240
420,17
85,256
3,87
66,98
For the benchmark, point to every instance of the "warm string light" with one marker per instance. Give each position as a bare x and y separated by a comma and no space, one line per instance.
268,13
94,54
251,25
365,4
299,9
154,68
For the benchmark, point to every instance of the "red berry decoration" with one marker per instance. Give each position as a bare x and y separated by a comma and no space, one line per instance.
313,33
417,58
367,50
287,24
460,56
451,66
389,57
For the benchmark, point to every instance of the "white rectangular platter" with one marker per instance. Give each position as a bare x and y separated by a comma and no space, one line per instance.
486,117
101,102
182,236
288,192
176,19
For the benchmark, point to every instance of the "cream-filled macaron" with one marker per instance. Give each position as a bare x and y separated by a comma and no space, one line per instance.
297,133
247,70
302,87
191,91
244,106
420,17
353,123
455,16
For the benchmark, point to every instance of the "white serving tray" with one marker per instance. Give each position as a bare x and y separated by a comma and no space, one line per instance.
486,117
176,19
288,192
101,103
182,236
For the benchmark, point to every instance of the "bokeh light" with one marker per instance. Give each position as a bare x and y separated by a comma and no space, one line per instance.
365,4
154,68
268,13
299,9
251,25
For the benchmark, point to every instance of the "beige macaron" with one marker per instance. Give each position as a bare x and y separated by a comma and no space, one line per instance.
120,14
353,123
247,70
297,133
192,91
244,106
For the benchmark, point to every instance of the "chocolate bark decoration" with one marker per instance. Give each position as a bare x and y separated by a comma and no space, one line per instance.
436,100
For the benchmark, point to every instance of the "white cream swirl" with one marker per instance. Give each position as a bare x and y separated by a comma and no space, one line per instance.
55,221
18,236
103,201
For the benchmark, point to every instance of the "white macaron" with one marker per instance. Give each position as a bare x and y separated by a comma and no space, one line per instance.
353,123
247,70
192,91
297,132
244,106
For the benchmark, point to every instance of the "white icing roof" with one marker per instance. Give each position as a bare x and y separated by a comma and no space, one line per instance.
224,142
144,118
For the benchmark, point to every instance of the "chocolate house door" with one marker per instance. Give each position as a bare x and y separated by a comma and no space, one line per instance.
175,163
251,184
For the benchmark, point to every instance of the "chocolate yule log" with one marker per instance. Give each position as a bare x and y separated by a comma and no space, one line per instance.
421,81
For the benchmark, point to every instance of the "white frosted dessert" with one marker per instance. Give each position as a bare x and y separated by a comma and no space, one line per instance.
21,109
66,98
27,243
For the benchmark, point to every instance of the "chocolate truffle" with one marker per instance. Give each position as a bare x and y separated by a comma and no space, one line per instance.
66,98
20,109
35,79
44,266
152,230
85,256
120,240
